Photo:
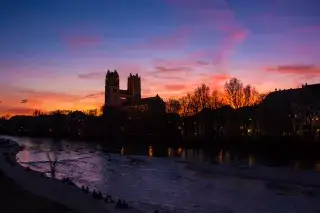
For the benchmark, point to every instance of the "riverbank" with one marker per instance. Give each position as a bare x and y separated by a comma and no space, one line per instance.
49,188
272,175
15,199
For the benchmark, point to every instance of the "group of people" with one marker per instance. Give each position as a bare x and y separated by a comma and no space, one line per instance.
68,181
122,205
9,158
97,195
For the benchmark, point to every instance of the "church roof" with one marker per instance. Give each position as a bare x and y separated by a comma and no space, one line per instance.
150,100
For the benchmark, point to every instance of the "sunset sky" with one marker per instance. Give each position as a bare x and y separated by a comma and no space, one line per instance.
54,54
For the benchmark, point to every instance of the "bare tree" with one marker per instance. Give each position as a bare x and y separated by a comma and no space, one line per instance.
92,112
234,93
52,162
6,117
216,100
37,113
251,96
261,97
201,97
247,94
193,106
186,105
173,106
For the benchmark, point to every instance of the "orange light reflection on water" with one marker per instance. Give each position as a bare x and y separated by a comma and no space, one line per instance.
169,152
150,152
220,157
317,167
122,150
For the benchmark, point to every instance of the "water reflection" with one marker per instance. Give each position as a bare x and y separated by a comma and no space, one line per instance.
251,160
150,152
317,166
179,151
220,157
159,181
122,150
228,157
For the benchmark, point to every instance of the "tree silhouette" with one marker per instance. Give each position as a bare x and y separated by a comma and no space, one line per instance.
6,117
37,112
201,98
173,106
216,100
52,162
92,112
234,93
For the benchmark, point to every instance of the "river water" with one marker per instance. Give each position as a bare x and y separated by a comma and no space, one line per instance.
149,182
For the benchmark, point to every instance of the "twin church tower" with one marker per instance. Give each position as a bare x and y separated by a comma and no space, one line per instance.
114,96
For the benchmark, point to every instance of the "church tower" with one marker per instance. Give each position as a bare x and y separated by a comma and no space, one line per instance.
134,86
112,89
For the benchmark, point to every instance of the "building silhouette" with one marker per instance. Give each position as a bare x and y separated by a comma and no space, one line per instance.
130,99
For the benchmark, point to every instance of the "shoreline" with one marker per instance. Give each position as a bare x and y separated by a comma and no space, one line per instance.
268,174
52,189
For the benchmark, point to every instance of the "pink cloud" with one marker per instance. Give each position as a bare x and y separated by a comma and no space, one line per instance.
13,98
164,69
177,39
16,110
304,70
187,63
94,95
217,15
218,78
175,87
91,75
75,41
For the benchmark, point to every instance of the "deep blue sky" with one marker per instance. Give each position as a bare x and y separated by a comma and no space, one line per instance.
49,48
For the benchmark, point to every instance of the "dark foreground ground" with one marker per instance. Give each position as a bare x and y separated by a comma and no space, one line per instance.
13,198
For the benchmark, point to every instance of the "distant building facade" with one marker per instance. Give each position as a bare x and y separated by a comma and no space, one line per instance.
130,99
293,110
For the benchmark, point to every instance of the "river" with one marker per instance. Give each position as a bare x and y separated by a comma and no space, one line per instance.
164,183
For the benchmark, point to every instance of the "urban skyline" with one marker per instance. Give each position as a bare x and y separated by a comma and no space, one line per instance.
55,56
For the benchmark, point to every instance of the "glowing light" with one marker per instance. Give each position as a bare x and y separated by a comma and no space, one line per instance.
122,150
317,166
169,152
179,151
220,157
228,157
150,152
251,160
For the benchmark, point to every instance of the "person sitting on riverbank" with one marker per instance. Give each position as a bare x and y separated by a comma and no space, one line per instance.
125,205
94,194
108,199
99,195
122,205
85,189
68,181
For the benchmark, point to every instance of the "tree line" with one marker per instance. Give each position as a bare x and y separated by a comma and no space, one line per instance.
234,94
